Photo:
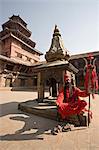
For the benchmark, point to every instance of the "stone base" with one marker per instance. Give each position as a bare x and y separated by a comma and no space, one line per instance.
48,109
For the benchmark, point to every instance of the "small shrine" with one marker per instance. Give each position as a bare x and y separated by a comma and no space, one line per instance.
51,72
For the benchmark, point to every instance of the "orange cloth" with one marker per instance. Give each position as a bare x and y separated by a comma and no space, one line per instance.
73,104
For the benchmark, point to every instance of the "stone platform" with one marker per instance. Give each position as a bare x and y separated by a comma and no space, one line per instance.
47,108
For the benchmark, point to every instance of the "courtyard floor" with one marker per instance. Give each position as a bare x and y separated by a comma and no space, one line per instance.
23,131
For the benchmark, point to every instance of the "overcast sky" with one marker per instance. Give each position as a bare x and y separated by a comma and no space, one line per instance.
78,21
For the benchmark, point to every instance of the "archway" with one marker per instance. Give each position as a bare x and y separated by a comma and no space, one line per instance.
53,87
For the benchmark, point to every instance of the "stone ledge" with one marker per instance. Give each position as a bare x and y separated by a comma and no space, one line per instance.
48,110
41,109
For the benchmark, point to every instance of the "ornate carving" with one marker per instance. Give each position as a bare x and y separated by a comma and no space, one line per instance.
57,50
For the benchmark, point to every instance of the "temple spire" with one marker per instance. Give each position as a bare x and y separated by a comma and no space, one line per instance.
57,50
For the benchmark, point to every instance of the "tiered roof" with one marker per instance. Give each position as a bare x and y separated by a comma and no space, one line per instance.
17,28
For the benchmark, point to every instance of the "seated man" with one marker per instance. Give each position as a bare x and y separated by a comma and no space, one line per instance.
68,101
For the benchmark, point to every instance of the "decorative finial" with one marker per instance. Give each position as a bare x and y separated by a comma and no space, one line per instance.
55,26
56,31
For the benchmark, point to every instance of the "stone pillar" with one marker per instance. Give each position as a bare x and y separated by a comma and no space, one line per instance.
2,80
51,91
40,85
63,77
57,88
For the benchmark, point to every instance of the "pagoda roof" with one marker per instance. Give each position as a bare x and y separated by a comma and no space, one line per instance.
20,37
83,55
13,60
11,23
60,64
18,19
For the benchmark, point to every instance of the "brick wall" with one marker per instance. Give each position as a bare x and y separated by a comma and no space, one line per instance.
16,48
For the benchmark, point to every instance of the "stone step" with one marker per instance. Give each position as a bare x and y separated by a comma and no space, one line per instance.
48,109
45,109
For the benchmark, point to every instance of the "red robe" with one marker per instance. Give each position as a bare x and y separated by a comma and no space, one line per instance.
73,104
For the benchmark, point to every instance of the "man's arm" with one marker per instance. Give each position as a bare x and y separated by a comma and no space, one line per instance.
81,93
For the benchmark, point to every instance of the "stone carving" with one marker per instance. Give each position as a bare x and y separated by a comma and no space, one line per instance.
57,50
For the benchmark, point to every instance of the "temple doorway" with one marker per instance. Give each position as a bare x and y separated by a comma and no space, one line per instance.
53,87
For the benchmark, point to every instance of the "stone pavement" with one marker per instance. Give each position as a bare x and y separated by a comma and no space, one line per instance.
22,131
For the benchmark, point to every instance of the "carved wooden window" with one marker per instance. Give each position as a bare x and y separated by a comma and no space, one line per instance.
28,59
19,55
23,68
9,67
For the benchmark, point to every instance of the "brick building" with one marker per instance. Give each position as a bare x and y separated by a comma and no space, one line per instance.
17,53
